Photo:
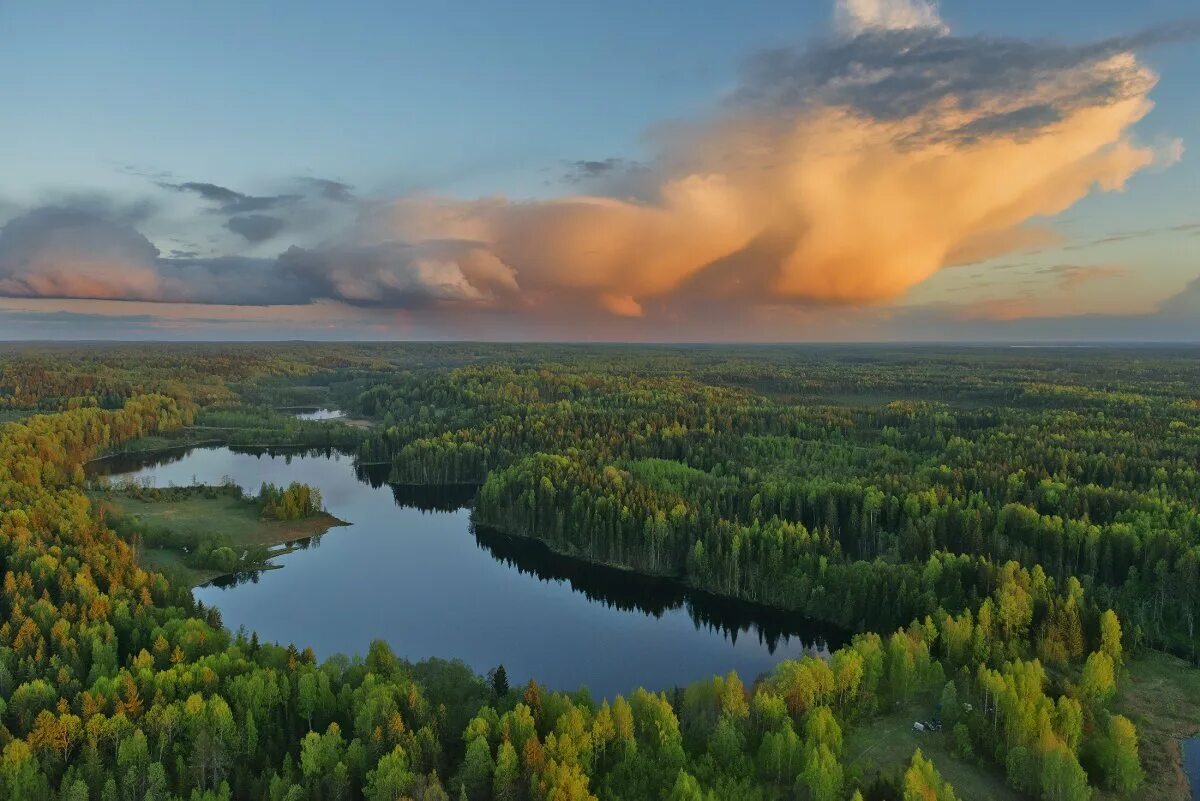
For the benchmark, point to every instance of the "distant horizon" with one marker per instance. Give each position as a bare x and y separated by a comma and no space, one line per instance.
1063,344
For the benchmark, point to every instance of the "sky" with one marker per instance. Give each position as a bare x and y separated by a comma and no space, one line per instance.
826,170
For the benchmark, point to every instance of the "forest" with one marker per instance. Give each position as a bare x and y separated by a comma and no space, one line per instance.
1010,536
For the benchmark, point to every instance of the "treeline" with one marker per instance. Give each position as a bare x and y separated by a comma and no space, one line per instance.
241,425
115,685
296,501
716,469
1103,490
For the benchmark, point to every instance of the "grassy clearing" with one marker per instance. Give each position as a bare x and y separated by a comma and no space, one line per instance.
1161,695
173,565
198,516
886,744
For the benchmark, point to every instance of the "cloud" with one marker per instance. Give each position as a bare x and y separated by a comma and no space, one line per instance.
964,88
583,170
854,17
255,227
1168,153
844,172
58,251
55,252
838,174
1025,239
1071,276
228,201
330,189
315,210
587,171
396,274
126,212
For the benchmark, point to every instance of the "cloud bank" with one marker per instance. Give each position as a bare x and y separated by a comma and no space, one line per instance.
840,173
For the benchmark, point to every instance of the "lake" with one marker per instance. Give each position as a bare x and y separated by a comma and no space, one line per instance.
413,570
1191,764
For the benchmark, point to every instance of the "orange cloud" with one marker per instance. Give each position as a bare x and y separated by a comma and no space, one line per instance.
839,174
844,208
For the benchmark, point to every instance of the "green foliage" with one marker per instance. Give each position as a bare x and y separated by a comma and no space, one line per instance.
922,782
1098,681
1113,755
1010,520
293,502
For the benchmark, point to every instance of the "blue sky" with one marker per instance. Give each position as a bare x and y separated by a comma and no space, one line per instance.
486,99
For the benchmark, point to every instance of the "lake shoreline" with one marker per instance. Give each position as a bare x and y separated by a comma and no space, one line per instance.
281,545
182,517
678,580
496,604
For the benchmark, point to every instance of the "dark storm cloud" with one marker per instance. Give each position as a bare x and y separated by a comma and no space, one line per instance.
390,274
71,229
238,281
894,74
69,253
56,252
255,228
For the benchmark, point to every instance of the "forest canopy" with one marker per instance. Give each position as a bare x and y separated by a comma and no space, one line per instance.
1006,533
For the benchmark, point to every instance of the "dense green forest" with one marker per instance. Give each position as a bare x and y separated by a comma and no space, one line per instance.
1006,531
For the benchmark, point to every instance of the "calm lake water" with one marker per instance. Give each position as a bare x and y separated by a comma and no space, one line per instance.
411,569
1191,764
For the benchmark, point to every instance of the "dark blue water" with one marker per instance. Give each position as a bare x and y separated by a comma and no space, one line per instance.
1191,764
411,569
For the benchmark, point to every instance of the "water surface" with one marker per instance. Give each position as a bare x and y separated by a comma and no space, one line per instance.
1191,764
319,414
413,570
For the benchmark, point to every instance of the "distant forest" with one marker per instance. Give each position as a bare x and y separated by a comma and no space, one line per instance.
1012,535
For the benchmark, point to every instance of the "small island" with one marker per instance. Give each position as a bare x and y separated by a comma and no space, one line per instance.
201,532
